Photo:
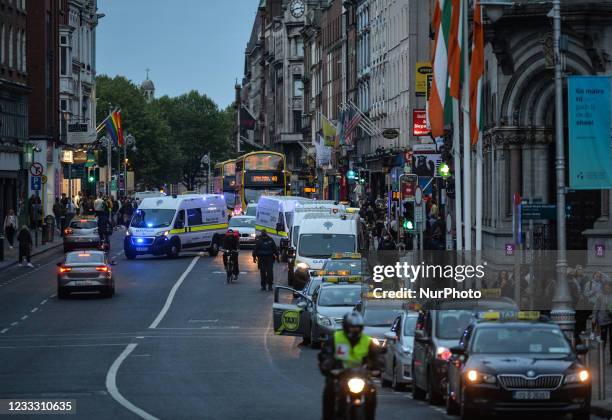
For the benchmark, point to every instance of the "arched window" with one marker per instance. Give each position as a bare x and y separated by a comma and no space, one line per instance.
10,47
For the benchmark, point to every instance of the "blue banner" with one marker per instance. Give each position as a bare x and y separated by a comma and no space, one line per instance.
590,109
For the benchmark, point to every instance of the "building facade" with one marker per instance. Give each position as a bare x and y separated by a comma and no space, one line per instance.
14,91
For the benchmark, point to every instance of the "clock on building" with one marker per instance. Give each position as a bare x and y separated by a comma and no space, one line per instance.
297,8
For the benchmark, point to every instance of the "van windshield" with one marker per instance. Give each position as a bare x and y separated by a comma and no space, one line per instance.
152,218
322,245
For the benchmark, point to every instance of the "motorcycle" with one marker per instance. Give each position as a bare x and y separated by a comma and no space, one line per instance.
354,392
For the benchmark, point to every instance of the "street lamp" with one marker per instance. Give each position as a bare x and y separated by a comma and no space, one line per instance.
495,8
129,141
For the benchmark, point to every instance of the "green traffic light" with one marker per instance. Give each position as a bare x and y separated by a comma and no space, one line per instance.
408,225
91,179
444,170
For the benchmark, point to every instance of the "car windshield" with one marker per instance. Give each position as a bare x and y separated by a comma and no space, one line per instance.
152,218
322,245
242,222
339,296
410,325
452,323
85,258
251,210
352,266
84,224
252,195
380,317
523,339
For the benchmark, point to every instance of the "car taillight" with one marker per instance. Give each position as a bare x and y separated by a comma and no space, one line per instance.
64,269
102,268
443,353
68,231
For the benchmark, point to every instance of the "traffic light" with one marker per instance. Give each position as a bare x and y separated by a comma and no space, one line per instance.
91,177
444,170
408,215
350,174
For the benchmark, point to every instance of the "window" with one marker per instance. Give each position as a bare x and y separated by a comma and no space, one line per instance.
18,50
23,50
2,43
10,47
298,47
298,85
194,217
297,121
64,56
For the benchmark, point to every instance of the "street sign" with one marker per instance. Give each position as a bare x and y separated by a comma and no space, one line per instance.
418,214
418,196
44,179
538,211
67,156
36,169
391,133
419,123
509,249
600,250
35,183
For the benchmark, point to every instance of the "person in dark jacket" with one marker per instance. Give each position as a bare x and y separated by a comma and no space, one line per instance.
25,245
387,243
264,254
231,242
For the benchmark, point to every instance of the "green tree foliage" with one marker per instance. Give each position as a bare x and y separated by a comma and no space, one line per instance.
172,134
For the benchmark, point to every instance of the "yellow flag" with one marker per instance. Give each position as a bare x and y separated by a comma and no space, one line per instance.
329,131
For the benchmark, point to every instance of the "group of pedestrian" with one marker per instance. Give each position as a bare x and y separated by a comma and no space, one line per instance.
23,236
64,210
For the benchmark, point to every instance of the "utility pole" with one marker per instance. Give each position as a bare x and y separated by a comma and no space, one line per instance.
467,147
562,312
109,159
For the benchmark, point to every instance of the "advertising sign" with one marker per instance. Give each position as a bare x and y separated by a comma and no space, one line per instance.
590,109
419,123
426,164
423,69
78,133
67,156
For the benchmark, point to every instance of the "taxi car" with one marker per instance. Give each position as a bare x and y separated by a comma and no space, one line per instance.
85,271
439,327
398,358
520,362
82,233
314,318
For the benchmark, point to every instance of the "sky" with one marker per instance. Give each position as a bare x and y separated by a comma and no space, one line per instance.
186,44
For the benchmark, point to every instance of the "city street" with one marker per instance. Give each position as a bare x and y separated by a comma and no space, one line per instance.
212,354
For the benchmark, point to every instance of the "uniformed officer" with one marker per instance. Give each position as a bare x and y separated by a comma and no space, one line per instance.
345,349
264,254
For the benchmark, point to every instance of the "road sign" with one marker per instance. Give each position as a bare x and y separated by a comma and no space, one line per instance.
44,179
509,249
600,250
35,183
418,196
538,211
36,169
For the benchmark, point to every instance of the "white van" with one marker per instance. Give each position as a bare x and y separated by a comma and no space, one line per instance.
275,216
320,237
141,195
167,225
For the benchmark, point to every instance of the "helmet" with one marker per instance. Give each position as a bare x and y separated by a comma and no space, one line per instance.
352,324
229,231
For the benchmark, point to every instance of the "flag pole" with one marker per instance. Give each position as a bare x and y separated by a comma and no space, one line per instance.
467,193
457,164
479,186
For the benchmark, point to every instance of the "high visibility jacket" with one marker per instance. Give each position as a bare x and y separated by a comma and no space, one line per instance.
351,356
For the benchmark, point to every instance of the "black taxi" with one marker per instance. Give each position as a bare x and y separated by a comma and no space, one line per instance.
516,362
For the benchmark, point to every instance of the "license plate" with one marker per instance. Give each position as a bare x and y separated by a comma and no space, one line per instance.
531,395
141,249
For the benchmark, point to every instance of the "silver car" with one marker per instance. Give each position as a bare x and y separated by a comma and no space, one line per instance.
85,271
245,226
82,233
400,344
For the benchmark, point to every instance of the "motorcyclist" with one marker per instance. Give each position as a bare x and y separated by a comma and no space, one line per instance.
231,242
345,349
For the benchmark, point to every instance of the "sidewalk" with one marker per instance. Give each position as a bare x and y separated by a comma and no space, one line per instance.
11,255
602,408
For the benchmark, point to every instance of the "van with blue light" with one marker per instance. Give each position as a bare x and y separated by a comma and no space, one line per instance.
168,225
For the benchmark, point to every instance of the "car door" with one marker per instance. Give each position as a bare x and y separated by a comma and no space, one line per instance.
457,362
392,346
420,351
288,316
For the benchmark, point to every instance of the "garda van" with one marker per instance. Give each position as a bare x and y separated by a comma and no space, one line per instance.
320,237
275,216
168,225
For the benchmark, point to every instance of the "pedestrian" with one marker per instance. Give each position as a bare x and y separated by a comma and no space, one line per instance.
10,227
57,213
264,254
503,283
100,206
25,245
602,315
387,243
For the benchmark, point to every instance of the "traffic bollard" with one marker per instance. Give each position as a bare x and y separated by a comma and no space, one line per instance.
601,380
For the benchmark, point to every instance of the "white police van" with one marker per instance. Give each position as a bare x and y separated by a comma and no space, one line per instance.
167,225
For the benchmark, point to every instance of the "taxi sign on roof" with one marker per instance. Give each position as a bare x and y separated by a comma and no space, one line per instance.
509,316
342,279
341,255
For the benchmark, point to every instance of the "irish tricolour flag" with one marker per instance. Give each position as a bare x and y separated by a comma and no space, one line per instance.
439,97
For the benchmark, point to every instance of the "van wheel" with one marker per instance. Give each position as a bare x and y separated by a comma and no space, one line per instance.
213,251
129,254
175,248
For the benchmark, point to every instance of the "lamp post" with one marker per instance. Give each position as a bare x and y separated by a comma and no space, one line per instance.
129,141
108,143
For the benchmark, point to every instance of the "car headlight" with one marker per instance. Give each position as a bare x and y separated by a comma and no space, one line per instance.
356,385
302,266
581,376
324,321
253,235
128,232
473,376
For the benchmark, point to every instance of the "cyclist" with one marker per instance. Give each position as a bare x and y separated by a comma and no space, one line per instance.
105,228
231,245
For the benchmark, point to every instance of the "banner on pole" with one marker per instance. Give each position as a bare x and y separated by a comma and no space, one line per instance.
590,152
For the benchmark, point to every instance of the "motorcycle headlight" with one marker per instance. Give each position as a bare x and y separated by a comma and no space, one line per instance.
324,321
475,377
356,385
302,266
581,376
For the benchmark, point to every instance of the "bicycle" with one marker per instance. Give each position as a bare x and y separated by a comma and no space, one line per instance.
230,266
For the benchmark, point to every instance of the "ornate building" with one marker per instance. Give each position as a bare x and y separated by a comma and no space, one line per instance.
148,88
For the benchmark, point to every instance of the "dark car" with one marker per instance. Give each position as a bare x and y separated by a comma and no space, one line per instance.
440,326
85,271
513,366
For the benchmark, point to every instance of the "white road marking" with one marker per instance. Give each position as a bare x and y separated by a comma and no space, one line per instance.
43,302
34,310
52,296
111,384
170,298
14,323
203,320
23,318
4,330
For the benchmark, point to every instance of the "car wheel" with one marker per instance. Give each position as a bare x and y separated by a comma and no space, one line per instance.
395,384
62,293
213,251
466,413
452,408
106,292
432,396
175,248
129,254
417,393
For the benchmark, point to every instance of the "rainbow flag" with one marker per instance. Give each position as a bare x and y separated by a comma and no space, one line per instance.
111,129
117,121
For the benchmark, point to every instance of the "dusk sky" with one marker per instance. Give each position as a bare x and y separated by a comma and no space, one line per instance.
186,44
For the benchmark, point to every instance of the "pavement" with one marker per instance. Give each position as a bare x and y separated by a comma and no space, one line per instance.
603,408
175,342
11,255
